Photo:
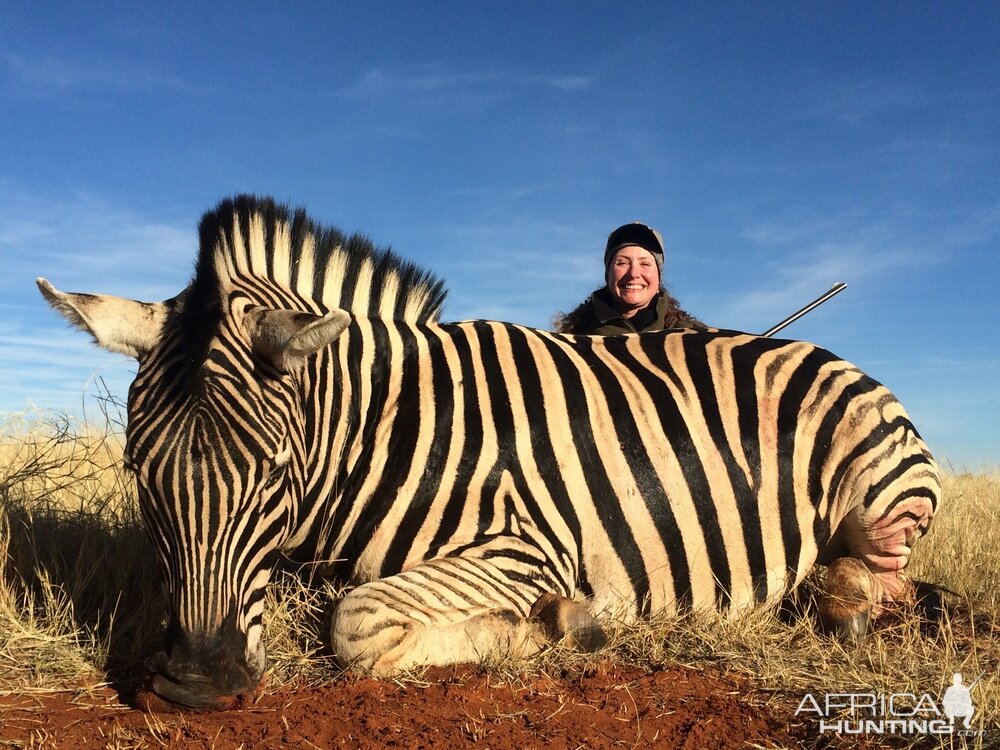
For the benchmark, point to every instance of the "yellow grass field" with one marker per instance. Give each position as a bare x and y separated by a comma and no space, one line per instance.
79,597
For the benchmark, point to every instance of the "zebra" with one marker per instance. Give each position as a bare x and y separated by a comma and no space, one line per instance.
480,486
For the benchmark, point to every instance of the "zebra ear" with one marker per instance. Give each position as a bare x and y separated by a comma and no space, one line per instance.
120,325
287,338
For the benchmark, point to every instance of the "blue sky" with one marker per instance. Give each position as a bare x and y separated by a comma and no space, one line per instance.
778,147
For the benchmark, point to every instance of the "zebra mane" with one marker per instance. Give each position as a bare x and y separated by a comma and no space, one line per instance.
281,257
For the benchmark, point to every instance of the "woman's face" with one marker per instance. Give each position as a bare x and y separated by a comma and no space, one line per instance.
633,279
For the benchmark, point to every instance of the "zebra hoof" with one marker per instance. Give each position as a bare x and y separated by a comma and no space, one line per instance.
851,629
562,618
846,602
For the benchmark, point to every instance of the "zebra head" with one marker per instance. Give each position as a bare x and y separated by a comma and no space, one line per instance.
216,444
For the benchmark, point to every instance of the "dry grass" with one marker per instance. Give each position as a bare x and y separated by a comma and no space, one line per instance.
73,555
79,596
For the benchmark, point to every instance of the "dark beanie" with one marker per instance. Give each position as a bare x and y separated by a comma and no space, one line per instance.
635,234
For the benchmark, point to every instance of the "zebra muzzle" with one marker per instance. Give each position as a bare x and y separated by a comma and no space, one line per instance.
173,687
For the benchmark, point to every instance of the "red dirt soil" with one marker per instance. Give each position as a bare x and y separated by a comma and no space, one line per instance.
605,707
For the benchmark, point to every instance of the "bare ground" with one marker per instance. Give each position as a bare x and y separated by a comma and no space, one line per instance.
605,706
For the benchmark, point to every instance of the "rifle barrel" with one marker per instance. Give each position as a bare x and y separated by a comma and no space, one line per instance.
834,290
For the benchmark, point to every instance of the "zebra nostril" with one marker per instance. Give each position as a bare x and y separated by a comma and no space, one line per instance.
158,662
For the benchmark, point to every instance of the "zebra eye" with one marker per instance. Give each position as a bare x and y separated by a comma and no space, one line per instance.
273,478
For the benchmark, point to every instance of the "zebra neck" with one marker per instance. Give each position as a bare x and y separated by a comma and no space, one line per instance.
375,368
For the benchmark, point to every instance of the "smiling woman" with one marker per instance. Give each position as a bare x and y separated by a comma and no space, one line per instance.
633,279
633,299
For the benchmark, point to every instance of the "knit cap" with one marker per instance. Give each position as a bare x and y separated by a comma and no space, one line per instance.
635,234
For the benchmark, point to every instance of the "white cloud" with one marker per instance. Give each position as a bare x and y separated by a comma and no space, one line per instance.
80,242
432,79
48,367
803,254
77,239
855,102
53,73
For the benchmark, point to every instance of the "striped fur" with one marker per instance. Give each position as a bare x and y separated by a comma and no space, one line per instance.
679,470
456,474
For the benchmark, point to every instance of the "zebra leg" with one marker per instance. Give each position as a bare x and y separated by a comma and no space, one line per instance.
451,610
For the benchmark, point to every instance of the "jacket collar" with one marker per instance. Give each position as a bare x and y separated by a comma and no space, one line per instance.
604,308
